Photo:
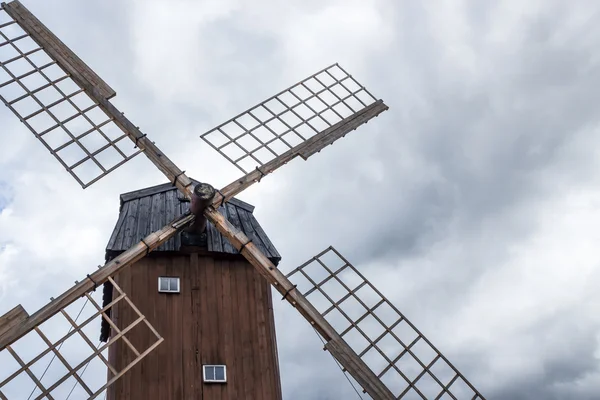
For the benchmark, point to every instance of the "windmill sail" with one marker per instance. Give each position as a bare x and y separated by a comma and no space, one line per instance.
23,363
49,364
299,120
389,344
47,87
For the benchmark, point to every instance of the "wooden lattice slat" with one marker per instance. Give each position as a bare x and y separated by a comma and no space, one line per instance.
75,371
395,350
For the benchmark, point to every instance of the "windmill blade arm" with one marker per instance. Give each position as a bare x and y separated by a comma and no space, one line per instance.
155,155
65,104
336,345
304,150
124,260
393,348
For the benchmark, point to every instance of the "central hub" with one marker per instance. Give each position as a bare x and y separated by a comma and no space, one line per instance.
202,197
204,192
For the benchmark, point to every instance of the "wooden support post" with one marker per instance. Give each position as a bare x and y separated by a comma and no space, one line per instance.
202,197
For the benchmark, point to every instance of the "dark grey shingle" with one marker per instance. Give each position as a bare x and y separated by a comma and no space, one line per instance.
147,210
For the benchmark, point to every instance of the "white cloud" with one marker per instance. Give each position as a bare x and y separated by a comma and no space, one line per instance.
472,203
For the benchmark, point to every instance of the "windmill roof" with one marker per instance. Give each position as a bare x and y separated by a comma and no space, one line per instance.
147,210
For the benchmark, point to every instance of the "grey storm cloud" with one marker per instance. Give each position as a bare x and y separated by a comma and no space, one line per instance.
471,203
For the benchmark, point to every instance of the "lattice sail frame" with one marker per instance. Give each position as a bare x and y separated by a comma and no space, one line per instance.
395,350
291,117
35,86
28,367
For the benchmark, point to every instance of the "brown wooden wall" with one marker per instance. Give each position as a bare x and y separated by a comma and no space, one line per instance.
223,315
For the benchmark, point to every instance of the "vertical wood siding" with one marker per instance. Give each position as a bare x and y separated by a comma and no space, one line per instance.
223,315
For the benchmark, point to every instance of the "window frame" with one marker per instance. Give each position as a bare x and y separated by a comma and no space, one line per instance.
224,380
169,290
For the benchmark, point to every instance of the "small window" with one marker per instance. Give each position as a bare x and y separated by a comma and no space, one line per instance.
168,284
214,373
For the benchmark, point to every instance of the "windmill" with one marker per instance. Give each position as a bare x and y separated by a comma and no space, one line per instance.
67,107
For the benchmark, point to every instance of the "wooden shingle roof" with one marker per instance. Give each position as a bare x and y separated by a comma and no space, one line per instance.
147,210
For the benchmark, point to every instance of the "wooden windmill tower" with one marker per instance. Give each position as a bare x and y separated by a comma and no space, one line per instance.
202,244
208,303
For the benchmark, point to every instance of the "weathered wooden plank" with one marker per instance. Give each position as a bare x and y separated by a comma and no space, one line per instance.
148,289
56,49
195,263
163,323
187,320
170,213
237,367
125,318
218,321
273,344
111,391
143,218
129,225
244,301
170,199
212,314
114,390
178,211
190,318
155,364
160,216
155,210
139,336
246,221
185,206
228,331
233,215
205,321
116,234
265,239
213,239
12,318
252,335
227,246
174,334
241,204
136,194
265,367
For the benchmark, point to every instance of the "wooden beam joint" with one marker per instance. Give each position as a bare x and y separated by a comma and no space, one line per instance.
12,318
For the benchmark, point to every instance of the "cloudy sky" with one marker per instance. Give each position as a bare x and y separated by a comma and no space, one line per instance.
472,203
